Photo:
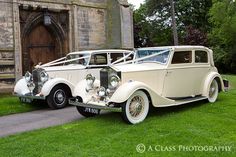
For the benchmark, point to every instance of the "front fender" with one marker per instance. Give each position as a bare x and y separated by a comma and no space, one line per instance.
123,93
80,90
210,77
47,87
21,87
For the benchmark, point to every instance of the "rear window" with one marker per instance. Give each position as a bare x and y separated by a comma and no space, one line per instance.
181,57
98,59
116,56
201,57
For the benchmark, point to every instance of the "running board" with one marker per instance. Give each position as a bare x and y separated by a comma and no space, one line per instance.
185,101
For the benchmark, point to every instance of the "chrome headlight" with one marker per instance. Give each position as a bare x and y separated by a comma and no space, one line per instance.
101,92
44,76
90,80
28,76
114,81
31,86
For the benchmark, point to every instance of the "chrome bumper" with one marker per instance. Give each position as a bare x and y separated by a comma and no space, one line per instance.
73,101
28,97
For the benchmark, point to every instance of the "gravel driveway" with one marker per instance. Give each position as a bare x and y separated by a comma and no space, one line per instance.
22,122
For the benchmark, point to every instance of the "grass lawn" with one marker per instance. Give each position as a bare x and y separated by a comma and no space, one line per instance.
10,104
196,124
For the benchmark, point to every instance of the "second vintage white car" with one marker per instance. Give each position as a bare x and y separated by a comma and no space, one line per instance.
55,81
159,77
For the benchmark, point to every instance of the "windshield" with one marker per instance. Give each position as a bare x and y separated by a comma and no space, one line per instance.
160,57
83,61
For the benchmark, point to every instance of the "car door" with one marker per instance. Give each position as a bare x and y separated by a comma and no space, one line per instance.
202,68
179,78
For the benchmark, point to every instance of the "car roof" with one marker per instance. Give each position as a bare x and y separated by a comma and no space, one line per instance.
182,47
101,51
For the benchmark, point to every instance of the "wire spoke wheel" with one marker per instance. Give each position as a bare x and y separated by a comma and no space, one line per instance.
136,108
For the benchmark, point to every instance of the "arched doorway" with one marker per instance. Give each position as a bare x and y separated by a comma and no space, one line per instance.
41,43
42,46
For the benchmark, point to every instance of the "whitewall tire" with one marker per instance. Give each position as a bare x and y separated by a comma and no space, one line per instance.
136,108
213,91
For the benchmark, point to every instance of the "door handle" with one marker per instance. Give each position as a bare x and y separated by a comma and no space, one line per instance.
169,72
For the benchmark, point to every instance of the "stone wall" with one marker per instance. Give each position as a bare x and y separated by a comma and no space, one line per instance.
91,28
6,42
6,26
93,24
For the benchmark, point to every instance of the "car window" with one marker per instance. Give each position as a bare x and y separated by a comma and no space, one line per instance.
82,61
201,57
160,57
181,57
98,59
130,56
116,56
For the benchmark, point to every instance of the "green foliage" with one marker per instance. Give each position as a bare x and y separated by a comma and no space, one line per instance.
223,34
193,124
10,105
152,22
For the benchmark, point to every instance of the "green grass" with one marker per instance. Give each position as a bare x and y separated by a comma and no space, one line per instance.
10,105
195,124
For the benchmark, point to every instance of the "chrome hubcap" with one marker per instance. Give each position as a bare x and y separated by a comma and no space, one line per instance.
136,106
212,89
59,96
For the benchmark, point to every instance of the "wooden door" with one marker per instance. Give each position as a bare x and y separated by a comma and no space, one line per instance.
41,46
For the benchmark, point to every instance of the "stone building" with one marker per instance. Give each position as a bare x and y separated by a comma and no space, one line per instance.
33,31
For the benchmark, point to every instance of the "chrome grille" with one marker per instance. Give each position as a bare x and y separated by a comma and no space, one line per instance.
105,74
36,80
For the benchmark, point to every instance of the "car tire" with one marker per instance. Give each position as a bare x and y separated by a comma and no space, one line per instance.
136,108
82,111
213,91
58,98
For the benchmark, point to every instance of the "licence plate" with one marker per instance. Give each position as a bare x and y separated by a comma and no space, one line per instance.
25,100
91,110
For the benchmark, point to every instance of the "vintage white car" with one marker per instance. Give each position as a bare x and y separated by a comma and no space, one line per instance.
55,81
159,76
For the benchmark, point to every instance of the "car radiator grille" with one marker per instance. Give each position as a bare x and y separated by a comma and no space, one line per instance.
36,80
104,79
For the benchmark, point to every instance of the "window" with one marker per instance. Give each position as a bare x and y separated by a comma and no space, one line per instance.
98,59
159,56
181,57
130,56
116,56
201,57
83,60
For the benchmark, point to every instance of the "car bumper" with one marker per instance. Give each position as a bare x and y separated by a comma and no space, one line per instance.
96,105
29,97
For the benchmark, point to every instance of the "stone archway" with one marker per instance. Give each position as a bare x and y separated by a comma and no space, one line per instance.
40,42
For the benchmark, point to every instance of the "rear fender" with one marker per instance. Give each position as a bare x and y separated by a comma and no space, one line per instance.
210,77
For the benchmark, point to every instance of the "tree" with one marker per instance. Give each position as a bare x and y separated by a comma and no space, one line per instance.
142,28
223,34
157,15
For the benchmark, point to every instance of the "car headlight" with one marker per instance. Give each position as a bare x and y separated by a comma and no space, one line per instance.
114,81
31,86
101,92
28,76
44,76
90,80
